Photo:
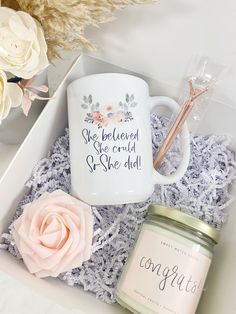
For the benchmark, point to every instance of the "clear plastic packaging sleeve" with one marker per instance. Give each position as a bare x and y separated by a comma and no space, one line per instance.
203,73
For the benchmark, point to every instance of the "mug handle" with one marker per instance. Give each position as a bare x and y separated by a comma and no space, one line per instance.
184,142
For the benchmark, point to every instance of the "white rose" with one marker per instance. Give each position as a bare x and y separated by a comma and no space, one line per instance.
10,96
23,49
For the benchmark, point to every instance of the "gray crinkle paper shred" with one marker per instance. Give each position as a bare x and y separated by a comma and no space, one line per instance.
204,192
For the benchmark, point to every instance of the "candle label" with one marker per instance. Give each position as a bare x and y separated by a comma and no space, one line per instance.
164,275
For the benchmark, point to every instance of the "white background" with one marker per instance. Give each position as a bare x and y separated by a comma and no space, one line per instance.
161,39
158,40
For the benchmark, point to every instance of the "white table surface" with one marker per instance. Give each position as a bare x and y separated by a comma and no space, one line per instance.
158,40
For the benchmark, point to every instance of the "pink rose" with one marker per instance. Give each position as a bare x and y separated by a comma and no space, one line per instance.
54,234
99,118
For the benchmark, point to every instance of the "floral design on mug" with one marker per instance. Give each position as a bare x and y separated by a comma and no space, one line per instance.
103,115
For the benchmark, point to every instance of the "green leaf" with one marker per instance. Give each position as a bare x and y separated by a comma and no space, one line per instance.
85,99
90,99
132,97
134,104
127,97
84,106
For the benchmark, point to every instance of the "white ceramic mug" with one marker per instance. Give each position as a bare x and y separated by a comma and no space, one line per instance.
110,139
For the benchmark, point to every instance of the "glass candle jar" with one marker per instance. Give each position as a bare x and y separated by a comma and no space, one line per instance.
166,272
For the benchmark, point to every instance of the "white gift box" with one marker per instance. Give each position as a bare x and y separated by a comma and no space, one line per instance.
15,127
219,297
